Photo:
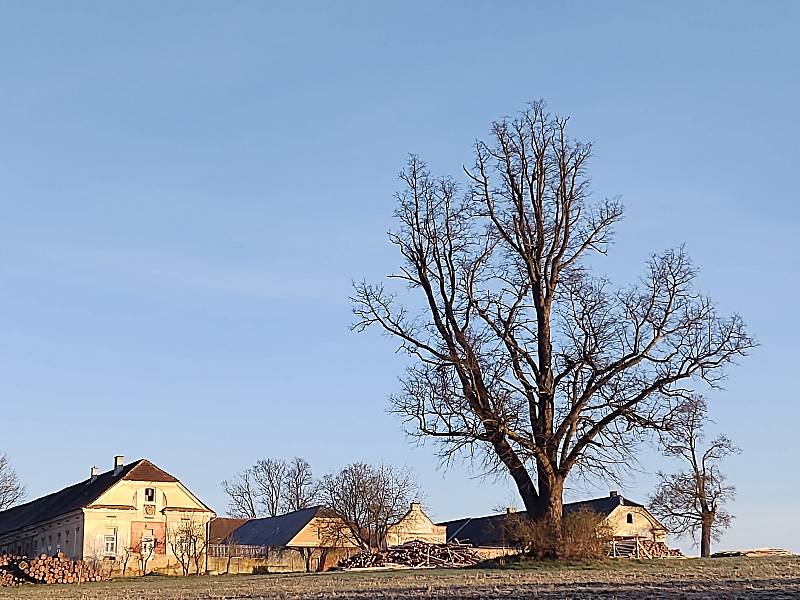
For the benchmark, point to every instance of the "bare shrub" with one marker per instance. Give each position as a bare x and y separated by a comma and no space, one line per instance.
583,535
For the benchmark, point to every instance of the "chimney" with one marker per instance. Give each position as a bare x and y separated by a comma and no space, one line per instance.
119,462
416,506
613,494
93,474
510,510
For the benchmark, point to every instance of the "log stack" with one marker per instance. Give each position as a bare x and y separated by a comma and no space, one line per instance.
659,550
755,553
17,570
416,554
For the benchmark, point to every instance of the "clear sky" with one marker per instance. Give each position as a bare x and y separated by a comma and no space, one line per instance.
188,189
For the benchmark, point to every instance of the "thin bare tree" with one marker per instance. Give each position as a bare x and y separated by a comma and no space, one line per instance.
369,499
11,489
188,542
300,487
146,549
269,476
692,501
521,357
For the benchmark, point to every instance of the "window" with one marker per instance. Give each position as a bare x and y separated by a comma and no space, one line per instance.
148,542
149,495
630,518
110,544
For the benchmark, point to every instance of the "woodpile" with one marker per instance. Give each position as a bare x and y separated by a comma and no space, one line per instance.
641,548
415,554
659,550
17,570
755,553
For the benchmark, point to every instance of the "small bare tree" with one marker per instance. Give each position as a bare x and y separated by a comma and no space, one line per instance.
187,539
127,552
145,550
520,356
232,550
693,500
11,489
369,499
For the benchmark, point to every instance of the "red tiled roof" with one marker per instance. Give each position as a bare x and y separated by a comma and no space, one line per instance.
144,470
222,527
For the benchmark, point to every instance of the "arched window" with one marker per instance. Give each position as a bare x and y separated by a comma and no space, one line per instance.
630,517
149,494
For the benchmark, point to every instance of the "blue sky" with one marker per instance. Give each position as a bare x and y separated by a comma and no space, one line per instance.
188,189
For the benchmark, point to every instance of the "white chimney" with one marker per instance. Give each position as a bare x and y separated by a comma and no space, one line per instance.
510,510
93,474
416,506
119,462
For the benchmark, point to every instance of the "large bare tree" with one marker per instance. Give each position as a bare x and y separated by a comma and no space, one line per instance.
369,499
693,500
11,489
520,355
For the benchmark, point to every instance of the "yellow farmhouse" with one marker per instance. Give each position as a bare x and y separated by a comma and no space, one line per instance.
416,525
130,510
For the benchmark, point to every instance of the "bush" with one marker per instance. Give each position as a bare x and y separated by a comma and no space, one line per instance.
582,535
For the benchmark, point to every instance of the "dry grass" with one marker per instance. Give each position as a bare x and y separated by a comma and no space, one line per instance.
771,578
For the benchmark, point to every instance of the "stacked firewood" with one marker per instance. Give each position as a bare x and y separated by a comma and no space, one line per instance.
16,570
414,554
659,550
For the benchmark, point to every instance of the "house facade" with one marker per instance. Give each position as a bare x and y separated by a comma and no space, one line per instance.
416,525
114,517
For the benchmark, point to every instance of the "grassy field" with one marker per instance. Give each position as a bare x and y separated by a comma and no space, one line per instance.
717,578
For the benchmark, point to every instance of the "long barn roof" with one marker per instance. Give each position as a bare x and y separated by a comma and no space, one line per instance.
268,532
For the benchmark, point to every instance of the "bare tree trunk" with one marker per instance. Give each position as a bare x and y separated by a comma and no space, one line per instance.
705,535
519,473
551,500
